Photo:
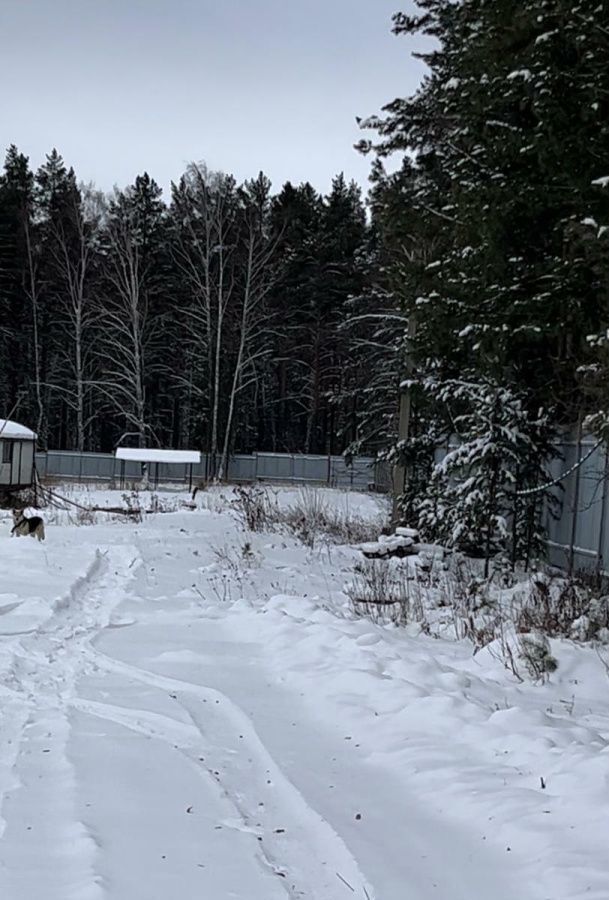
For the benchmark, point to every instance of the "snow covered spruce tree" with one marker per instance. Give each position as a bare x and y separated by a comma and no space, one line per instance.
508,132
471,500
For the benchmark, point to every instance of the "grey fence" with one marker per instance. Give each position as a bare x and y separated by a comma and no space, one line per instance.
363,474
577,527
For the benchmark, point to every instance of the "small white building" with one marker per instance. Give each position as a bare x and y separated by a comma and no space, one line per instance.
17,446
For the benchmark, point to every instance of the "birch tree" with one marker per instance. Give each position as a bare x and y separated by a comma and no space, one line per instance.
76,243
203,211
130,326
257,270
224,249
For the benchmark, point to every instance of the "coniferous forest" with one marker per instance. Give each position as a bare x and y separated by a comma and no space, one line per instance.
236,317
212,321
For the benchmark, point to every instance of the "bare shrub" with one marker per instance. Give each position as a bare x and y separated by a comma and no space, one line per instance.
213,500
156,504
512,615
534,650
384,592
508,654
312,518
159,504
480,630
133,505
86,517
254,508
468,596
523,653
562,607
236,559
350,529
307,518
23,499
221,588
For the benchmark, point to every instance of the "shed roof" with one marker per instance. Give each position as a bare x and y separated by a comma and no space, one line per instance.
142,454
15,431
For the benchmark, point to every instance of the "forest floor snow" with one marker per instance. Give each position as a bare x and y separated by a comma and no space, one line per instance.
188,710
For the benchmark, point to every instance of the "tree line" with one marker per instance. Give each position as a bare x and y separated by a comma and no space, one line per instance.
211,321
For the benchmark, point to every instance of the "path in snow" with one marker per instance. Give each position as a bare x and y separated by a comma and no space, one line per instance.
45,845
149,755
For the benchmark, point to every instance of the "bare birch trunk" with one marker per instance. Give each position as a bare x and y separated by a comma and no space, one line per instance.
245,310
126,327
218,349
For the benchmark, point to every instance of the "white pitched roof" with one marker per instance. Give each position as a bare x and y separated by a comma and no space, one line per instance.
14,430
142,454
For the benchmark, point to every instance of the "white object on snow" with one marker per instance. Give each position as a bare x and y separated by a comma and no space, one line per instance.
407,532
386,544
373,547
9,429
143,454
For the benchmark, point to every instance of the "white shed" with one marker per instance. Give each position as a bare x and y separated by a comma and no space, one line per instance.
17,445
147,457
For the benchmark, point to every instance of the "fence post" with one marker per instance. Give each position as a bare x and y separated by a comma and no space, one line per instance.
401,472
603,528
575,508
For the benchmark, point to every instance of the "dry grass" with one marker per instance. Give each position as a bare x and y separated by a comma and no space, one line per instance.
515,620
310,518
385,593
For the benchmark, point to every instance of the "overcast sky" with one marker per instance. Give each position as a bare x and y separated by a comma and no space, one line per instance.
123,86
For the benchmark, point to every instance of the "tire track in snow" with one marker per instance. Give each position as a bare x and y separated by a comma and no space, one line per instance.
43,839
294,840
15,714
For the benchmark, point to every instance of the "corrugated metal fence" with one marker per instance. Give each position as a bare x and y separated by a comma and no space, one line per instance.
364,473
578,533
578,529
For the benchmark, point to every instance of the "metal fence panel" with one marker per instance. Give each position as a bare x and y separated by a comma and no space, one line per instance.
589,508
242,468
311,468
578,532
279,467
275,466
359,475
383,478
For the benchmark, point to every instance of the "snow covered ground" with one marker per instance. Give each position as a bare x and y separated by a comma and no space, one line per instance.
190,711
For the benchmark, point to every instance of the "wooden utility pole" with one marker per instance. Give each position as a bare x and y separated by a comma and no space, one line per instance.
400,471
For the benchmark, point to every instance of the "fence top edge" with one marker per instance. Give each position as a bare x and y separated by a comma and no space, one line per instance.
362,460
